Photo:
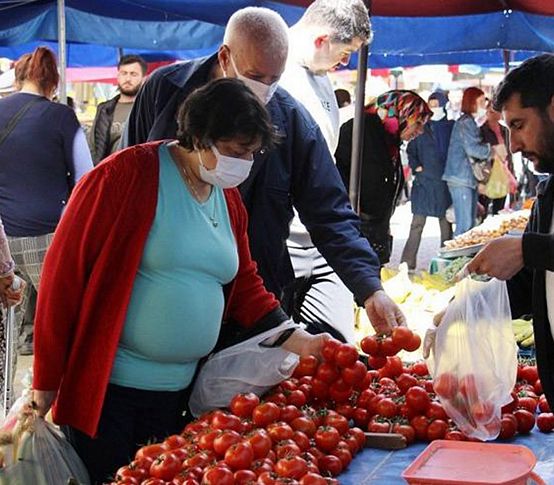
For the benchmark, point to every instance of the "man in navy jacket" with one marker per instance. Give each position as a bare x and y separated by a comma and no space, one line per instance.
299,172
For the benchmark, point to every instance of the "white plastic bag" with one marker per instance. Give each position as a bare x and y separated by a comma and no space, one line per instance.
245,367
474,358
43,456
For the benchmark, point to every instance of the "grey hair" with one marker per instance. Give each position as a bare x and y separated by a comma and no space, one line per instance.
348,19
261,26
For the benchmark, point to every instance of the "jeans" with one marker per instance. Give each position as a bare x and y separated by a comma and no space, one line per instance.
464,200
409,254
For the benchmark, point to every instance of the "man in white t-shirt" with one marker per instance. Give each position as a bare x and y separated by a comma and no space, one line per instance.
526,99
324,38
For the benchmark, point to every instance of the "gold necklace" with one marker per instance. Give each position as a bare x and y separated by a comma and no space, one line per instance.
196,195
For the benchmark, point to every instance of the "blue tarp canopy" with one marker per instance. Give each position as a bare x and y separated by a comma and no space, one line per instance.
449,31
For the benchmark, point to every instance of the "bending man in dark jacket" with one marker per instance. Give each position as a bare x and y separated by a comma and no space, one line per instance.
526,99
299,172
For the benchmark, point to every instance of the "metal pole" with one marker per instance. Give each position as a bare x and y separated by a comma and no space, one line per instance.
358,126
62,53
507,57
358,132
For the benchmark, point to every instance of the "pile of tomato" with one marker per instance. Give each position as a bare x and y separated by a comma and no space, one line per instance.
308,429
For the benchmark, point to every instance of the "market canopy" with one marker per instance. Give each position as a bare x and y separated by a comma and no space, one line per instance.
406,33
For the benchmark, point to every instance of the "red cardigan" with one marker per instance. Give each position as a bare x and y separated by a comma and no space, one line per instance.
88,277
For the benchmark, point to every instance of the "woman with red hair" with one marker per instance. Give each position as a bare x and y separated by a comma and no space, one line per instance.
466,142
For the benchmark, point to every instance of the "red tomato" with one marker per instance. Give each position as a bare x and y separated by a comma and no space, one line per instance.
511,406
154,481
239,456
174,441
354,375
482,411
242,405
289,413
528,373
544,407
224,440
454,435
405,430
420,425
292,467
327,372
305,425
340,423
418,399
414,344
346,355
296,398
277,398
150,451
260,466
388,347
420,369
217,475
312,479
378,424
437,430
545,422
245,477
508,426
371,345
340,391
265,413
279,431
260,441
301,439
361,417
468,388
306,366
376,362
525,420
166,466
405,381
131,471
402,336
326,438
538,387
343,454
387,408
225,421
436,411
330,464
446,385
346,410
287,448
329,350
393,367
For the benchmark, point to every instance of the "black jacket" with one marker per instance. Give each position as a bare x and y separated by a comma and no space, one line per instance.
299,172
527,289
99,139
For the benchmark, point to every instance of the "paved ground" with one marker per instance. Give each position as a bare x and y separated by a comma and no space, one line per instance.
400,226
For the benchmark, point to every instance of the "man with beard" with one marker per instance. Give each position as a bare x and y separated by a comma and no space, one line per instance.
526,100
111,115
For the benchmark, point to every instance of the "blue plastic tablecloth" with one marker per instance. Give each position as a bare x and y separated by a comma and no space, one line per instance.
386,467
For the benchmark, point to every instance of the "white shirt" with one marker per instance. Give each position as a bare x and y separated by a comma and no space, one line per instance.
316,94
550,290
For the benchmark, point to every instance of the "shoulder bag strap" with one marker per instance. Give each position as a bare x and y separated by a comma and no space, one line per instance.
15,120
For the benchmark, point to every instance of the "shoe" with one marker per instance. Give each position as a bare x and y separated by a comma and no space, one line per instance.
26,348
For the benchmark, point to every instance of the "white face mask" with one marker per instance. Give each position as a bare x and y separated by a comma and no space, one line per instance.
229,171
438,114
263,91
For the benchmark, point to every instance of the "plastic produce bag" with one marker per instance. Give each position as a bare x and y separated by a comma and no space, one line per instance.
246,367
474,359
43,456
498,183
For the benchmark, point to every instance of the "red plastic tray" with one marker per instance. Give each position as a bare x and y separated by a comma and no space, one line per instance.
469,463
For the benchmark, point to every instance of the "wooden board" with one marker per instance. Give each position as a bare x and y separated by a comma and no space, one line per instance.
385,441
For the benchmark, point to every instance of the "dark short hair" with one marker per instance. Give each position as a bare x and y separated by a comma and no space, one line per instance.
533,80
132,59
343,97
348,19
223,109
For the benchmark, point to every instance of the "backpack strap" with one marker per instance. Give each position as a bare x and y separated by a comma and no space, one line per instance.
15,120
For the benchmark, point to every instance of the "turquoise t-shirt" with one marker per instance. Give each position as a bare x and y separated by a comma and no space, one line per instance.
174,315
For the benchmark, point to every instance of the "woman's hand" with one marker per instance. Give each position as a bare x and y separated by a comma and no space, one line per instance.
303,343
42,401
8,295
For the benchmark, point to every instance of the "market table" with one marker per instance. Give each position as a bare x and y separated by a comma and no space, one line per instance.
385,467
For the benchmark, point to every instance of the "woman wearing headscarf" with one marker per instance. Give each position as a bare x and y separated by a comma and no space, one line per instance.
427,158
394,117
